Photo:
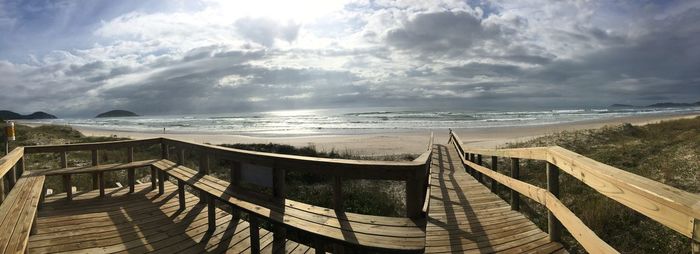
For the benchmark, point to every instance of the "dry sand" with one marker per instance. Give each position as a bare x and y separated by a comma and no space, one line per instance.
399,142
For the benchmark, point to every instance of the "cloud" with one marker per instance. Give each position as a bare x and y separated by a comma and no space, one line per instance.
265,31
206,57
440,31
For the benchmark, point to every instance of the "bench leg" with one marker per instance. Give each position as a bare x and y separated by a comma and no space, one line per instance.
131,175
101,177
319,247
279,238
2,189
211,210
181,193
161,182
95,180
42,197
33,230
67,187
254,234
153,178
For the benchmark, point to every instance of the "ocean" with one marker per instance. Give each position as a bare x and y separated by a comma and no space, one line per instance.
350,121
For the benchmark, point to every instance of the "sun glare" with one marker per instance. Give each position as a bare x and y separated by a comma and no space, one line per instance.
298,11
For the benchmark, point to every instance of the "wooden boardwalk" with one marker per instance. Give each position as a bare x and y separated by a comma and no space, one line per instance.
464,216
138,223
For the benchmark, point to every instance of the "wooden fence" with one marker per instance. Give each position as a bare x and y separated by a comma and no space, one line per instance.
674,208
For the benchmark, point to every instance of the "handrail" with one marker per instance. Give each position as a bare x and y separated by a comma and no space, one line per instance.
8,161
413,172
674,208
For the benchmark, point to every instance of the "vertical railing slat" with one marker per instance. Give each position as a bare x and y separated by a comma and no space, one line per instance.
554,226
514,173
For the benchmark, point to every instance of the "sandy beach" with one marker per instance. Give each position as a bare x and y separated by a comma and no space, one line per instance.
398,142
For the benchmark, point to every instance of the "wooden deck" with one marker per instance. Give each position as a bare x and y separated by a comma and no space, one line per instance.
138,223
464,215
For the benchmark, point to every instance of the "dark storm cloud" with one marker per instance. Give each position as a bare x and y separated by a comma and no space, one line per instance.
440,31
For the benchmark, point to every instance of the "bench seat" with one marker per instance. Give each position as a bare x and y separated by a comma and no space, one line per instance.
349,229
18,213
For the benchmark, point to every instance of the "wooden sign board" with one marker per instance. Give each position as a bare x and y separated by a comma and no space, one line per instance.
257,174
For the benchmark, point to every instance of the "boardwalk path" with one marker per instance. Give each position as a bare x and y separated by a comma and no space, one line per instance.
464,215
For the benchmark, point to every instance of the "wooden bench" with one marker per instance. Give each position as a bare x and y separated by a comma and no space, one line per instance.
358,231
98,171
18,213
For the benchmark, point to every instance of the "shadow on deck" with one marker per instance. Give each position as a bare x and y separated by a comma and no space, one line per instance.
464,215
138,223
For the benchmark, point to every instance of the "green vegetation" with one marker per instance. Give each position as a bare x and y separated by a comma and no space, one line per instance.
667,152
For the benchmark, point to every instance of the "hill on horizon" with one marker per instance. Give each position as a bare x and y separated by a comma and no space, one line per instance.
117,113
9,115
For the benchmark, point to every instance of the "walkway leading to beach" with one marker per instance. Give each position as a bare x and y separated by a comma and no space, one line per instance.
464,216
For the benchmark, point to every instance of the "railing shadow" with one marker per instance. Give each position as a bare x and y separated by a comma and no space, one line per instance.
447,181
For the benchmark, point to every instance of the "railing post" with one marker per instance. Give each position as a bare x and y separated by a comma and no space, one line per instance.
279,234
211,210
181,193
154,175
337,193
20,166
203,170
180,156
479,175
95,162
554,225
161,181
131,171
164,150
66,178
514,173
11,178
235,173
494,167
413,194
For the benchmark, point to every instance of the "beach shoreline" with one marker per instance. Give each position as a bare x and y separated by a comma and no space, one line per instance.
394,142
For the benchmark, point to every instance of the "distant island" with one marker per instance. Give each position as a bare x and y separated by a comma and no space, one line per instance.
658,105
117,113
9,115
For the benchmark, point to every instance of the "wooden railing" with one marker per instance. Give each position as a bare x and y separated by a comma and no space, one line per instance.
414,173
11,166
674,208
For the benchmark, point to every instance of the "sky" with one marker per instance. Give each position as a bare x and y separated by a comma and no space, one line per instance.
83,57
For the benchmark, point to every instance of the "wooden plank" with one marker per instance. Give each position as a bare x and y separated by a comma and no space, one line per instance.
20,236
667,205
376,240
515,174
588,239
218,188
8,161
